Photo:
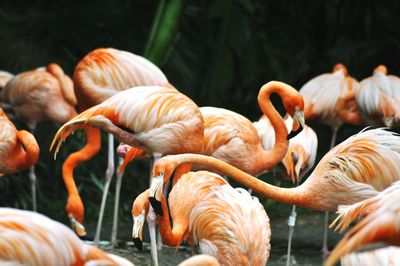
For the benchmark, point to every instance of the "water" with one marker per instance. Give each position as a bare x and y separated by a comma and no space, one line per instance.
306,245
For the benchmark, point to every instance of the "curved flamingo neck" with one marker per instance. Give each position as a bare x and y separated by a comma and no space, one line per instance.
274,156
297,195
381,69
171,237
349,117
29,155
92,146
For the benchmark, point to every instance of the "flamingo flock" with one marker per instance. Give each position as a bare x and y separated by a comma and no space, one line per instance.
131,99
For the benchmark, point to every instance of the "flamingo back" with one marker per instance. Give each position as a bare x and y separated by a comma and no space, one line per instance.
323,91
105,71
159,118
374,98
4,78
231,225
382,256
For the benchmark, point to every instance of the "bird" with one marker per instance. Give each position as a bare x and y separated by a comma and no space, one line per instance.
229,147
321,95
375,98
382,256
298,161
100,74
224,222
200,260
30,238
356,169
44,94
380,219
154,119
18,148
4,78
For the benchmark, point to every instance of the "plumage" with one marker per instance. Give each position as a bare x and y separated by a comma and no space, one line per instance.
382,256
380,221
29,93
4,78
224,222
375,97
18,149
28,238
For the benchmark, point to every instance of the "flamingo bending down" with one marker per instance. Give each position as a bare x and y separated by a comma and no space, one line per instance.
29,95
224,222
299,159
29,238
156,120
321,96
354,170
380,223
99,75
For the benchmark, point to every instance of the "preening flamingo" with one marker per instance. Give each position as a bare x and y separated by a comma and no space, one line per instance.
381,220
225,145
154,119
99,75
376,98
299,159
40,95
226,223
354,170
18,149
29,238
321,95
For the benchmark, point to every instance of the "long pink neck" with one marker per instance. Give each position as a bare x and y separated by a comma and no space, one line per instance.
272,157
297,196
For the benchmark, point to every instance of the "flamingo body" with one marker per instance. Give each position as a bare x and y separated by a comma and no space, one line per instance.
4,78
29,238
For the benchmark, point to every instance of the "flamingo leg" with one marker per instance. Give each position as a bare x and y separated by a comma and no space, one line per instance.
108,177
32,175
291,223
114,231
151,221
325,250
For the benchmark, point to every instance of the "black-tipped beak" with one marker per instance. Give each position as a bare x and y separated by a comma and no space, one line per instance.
156,206
295,133
138,243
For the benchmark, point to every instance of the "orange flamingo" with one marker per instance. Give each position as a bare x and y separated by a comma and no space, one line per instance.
321,95
352,171
226,223
381,219
4,78
29,238
154,119
18,149
225,145
200,260
299,159
29,94
99,75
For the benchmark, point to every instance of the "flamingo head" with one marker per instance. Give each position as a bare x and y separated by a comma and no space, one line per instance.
75,211
294,105
341,67
140,209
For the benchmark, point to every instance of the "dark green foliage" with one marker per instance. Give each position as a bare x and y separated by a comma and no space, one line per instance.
219,53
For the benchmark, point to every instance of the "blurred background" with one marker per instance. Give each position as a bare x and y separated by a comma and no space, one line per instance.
218,52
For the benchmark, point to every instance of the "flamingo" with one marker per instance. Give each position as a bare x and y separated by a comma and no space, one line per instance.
200,260
382,256
321,95
18,149
297,162
29,238
381,219
376,98
226,223
29,93
227,146
99,75
154,119
354,170
4,78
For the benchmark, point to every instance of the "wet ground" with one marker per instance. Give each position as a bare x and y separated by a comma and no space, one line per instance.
306,244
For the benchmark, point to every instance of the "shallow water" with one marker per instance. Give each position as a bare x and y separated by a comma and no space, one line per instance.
306,245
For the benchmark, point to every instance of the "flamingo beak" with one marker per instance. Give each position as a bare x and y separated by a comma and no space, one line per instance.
137,230
77,226
298,123
156,193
